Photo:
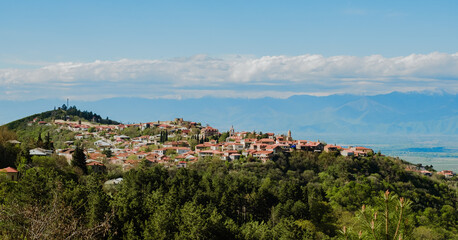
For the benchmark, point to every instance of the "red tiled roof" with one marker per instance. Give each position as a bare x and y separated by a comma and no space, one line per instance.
95,164
8,170
362,148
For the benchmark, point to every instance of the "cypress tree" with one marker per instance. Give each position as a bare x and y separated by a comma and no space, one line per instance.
48,143
79,159
39,142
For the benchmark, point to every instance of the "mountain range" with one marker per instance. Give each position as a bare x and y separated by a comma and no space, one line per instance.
388,114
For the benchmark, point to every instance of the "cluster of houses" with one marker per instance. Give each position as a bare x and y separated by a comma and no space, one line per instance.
422,170
190,142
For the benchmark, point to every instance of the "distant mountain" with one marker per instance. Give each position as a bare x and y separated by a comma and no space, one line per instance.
394,113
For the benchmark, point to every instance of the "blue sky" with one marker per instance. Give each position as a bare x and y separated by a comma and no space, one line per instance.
180,49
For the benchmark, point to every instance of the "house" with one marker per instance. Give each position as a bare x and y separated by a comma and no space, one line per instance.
171,144
233,146
271,135
96,156
102,144
96,167
268,141
209,132
121,137
164,126
230,155
360,154
14,142
310,146
191,158
40,152
447,173
160,151
122,156
203,146
363,149
274,148
258,146
235,156
113,181
209,153
426,173
67,153
181,164
347,152
247,142
145,126
11,173
332,148
181,150
263,155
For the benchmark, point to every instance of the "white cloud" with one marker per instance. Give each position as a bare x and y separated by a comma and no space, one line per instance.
202,75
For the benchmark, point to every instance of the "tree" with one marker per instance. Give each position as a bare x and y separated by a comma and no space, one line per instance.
6,135
48,144
391,223
108,152
39,142
79,159
223,137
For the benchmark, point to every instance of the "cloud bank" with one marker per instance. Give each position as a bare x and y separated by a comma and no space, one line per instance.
234,76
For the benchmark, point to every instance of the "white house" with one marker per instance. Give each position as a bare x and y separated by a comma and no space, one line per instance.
101,143
40,152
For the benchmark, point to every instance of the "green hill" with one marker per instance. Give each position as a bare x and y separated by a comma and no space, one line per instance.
72,113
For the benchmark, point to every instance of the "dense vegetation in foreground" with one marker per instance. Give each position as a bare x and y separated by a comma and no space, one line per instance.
299,195
303,195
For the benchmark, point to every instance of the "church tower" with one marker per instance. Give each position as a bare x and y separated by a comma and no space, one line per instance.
232,131
289,138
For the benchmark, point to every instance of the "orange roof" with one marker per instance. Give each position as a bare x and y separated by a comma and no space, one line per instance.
267,140
95,164
362,148
8,170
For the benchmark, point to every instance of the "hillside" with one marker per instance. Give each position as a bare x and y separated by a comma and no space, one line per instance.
72,113
180,180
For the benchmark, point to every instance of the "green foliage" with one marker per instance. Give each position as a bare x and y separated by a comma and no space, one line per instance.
79,159
107,152
389,219
301,195
164,136
131,131
60,113
223,136
8,155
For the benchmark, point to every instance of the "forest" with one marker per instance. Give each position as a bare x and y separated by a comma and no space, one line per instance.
302,195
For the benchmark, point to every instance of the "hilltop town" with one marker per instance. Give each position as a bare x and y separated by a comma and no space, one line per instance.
108,144
179,143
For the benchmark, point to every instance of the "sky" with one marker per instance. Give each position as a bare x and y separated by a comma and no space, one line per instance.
90,50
